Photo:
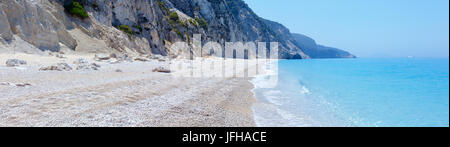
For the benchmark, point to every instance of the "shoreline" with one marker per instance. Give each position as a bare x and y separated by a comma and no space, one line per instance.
134,97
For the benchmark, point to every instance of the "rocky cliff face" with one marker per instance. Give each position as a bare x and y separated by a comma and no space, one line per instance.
148,26
311,48
40,26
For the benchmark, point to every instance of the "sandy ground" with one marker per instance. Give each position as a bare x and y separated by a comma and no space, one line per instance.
135,97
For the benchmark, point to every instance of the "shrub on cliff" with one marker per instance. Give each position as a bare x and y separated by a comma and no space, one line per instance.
178,33
162,5
192,21
76,9
126,29
202,22
173,18
139,27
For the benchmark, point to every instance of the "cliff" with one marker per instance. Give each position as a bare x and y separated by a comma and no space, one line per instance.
314,50
138,26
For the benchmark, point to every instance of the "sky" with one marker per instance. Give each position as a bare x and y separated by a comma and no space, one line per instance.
366,28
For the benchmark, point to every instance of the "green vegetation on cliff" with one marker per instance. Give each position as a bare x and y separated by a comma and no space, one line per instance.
173,18
126,29
76,9
202,22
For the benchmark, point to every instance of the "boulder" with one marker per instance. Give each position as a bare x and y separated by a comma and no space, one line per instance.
113,55
81,61
86,66
58,67
94,66
159,58
15,62
161,69
141,59
64,66
125,57
7,84
12,84
101,57
82,67
59,55
23,84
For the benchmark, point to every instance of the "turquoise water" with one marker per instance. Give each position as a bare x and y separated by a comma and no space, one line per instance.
405,92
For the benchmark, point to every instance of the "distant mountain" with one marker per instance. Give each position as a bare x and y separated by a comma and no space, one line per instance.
314,50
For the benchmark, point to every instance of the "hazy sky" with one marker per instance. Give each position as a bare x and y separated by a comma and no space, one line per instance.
367,28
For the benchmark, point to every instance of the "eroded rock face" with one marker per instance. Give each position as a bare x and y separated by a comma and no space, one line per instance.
45,24
5,31
32,23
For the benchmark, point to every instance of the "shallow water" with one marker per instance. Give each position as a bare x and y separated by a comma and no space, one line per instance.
356,92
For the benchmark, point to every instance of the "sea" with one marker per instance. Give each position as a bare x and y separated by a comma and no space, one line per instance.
361,92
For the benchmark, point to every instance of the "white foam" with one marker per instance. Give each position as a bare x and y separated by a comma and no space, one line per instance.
264,80
272,110
274,96
305,90
269,115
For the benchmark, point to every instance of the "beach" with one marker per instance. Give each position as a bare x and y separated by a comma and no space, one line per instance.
125,94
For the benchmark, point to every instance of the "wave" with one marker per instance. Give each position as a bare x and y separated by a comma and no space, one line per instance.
269,111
